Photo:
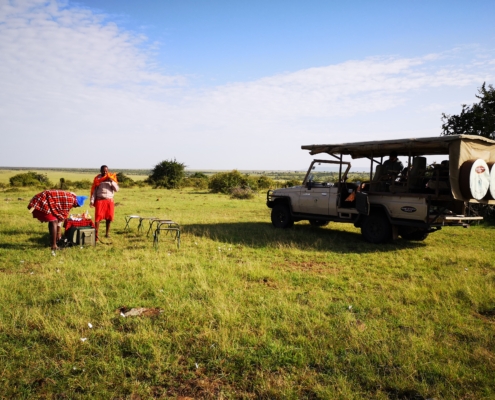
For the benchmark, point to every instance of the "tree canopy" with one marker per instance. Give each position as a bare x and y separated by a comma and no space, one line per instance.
167,174
478,119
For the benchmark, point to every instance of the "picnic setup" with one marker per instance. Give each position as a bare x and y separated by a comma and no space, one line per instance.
80,230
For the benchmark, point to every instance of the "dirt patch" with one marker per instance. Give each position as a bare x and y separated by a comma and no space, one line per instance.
138,312
315,267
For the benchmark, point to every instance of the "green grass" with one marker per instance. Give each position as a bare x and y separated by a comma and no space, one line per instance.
248,311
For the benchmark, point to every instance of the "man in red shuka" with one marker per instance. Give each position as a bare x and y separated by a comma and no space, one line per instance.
104,186
53,206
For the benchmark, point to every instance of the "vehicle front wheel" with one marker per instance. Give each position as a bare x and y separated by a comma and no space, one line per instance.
376,229
281,217
318,222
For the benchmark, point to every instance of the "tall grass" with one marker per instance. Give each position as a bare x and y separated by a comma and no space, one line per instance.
248,311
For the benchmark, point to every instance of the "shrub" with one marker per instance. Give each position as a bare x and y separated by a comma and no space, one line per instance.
292,182
66,184
124,180
30,179
167,174
199,175
241,193
196,183
223,182
261,183
141,184
83,184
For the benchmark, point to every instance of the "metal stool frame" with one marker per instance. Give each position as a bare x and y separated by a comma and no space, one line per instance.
170,227
128,219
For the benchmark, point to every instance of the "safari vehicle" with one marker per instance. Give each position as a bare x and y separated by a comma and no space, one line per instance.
412,203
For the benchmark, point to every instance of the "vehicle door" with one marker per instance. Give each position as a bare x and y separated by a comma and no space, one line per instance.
315,196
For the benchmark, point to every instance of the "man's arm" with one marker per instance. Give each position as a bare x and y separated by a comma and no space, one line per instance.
115,186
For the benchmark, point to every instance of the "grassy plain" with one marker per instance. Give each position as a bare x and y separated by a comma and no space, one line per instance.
248,311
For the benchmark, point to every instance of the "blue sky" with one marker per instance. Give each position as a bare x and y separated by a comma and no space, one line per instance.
230,84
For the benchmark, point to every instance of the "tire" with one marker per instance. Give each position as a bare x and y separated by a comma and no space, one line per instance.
281,217
418,234
376,229
318,222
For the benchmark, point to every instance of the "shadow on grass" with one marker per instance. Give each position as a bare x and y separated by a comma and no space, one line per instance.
304,237
34,244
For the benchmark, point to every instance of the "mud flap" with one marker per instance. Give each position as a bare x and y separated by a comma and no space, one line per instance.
362,203
395,232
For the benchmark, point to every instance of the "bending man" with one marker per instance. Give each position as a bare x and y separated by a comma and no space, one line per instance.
104,186
53,206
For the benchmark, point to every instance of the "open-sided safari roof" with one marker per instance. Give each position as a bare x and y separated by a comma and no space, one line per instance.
457,148
403,147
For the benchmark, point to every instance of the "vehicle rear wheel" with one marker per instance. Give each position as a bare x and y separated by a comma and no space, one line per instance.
417,234
376,229
318,222
281,217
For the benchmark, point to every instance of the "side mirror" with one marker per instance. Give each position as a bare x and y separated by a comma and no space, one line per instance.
308,185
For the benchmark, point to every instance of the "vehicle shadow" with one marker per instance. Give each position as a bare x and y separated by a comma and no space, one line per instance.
303,237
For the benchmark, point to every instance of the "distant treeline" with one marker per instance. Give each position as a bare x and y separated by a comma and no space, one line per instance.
80,170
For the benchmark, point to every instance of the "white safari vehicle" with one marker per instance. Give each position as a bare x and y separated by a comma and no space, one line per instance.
412,203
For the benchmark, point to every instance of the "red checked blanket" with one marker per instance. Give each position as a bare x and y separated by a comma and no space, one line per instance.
55,202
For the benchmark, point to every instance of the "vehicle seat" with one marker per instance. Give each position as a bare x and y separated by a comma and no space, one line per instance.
440,180
417,173
378,184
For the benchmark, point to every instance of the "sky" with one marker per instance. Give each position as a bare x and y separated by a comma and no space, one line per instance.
222,85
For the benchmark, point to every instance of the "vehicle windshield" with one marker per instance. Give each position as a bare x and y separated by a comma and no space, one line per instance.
324,173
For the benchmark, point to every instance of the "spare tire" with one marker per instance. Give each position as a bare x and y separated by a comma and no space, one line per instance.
491,193
474,179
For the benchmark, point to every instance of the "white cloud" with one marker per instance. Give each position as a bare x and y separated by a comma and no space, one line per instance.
69,77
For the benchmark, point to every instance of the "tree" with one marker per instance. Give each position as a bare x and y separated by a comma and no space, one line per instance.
478,119
167,174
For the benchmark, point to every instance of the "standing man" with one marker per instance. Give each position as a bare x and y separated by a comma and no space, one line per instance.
53,206
104,186
393,164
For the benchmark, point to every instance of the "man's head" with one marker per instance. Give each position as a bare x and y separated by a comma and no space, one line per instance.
104,170
393,155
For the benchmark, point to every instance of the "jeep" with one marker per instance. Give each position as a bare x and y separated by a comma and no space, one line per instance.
411,203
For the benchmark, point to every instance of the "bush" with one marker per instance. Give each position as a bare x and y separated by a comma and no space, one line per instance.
83,184
292,182
124,180
167,174
30,179
241,193
141,184
199,175
486,211
196,183
66,184
261,183
223,182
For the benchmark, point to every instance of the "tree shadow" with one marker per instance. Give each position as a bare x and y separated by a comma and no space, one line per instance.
303,237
